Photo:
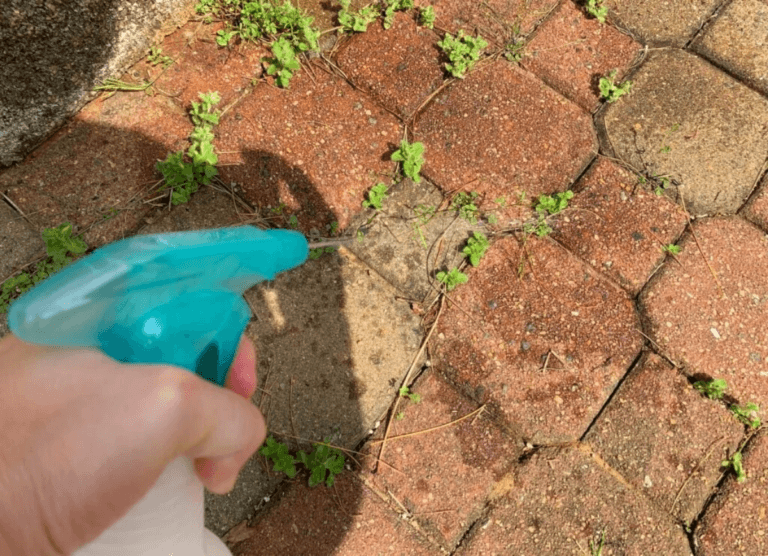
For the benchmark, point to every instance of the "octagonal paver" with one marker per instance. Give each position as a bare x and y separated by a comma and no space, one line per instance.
662,22
571,52
665,438
473,449
562,501
756,208
540,337
316,147
738,40
736,521
400,73
501,132
715,328
690,121
347,520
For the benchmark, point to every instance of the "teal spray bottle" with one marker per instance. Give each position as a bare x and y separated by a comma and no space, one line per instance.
172,298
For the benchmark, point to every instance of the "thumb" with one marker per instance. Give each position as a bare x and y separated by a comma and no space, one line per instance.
220,430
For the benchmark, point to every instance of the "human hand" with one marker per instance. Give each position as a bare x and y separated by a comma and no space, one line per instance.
85,437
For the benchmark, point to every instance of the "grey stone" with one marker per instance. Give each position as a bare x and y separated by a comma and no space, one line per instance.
695,124
55,52
406,249
738,41
18,243
4,330
662,22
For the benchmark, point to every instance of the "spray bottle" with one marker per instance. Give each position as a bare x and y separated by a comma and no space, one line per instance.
175,299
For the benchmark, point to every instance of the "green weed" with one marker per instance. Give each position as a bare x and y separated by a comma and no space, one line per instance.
284,62
713,389
392,7
114,85
452,278
405,392
376,196
747,414
323,463
59,244
463,51
736,464
427,17
156,57
546,206
356,22
465,204
672,249
612,92
596,9
318,252
596,549
412,157
664,183
476,248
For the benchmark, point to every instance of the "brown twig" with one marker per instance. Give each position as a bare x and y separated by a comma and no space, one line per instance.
693,232
688,478
432,429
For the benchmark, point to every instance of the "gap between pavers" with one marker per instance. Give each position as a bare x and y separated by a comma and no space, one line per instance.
18,243
565,498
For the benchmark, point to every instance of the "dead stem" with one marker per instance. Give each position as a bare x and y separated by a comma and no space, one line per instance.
432,429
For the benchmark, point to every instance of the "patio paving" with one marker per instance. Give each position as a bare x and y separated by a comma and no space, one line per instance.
545,406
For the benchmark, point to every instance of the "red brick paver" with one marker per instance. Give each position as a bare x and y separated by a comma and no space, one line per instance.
665,438
541,141
571,52
617,226
756,209
419,466
540,337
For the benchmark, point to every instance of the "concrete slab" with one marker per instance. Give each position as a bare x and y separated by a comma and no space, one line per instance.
571,52
406,248
317,147
715,327
735,522
756,209
539,337
399,74
712,139
737,40
473,449
347,520
501,132
665,438
660,22
562,501
617,226
55,53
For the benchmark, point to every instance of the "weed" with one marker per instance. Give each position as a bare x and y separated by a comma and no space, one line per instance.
664,183
205,6
513,50
596,549
541,228
156,56
225,36
452,278
392,7
405,392
465,204
463,51
713,389
424,213
293,222
736,464
412,157
114,85
596,9
323,463
476,248
360,236
612,92
318,252
375,196
284,63
333,228
400,415
672,249
555,203
427,17
502,201
356,22
747,414
59,244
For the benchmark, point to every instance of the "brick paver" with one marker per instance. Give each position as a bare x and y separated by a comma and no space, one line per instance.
18,243
715,325
661,22
316,147
737,41
617,226
736,522
562,501
538,336
756,209
399,74
665,438
473,449
695,124
346,520
541,140
571,51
